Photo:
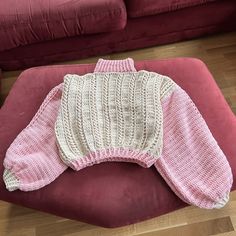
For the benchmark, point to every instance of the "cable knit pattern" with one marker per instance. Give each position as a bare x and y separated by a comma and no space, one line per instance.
192,163
109,105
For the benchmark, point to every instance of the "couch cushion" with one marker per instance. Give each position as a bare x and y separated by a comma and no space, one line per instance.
25,22
138,8
187,23
111,194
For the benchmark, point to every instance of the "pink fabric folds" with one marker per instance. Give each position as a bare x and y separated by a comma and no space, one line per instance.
192,163
32,161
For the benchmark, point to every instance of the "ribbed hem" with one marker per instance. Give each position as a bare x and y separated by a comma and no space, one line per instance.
113,154
126,65
222,202
11,181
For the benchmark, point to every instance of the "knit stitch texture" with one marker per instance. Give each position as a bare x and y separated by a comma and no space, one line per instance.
112,116
126,65
118,114
192,163
32,160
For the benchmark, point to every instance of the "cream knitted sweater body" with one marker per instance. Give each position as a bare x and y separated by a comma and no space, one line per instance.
113,116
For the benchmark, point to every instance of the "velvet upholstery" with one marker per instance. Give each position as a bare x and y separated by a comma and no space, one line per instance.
121,193
1,94
137,8
25,22
186,23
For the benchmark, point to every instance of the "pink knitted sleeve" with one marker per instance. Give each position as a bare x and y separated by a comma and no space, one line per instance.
192,163
32,161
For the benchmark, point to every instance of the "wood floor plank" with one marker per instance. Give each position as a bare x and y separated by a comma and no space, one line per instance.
15,217
20,232
233,220
232,233
205,228
63,228
186,216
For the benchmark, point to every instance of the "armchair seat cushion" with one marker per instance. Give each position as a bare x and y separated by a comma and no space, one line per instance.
111,194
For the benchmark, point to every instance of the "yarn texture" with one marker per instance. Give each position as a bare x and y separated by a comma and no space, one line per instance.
112,116
192,163
33,160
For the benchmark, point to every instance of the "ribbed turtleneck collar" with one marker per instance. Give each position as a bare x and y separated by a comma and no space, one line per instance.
125,65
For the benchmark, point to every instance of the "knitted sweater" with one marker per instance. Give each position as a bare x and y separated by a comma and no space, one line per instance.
121,117
114,116
109,115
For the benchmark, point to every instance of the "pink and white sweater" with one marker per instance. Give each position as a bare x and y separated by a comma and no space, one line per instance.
119,114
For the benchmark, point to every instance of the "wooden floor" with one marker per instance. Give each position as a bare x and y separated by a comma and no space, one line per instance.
219,53
190,221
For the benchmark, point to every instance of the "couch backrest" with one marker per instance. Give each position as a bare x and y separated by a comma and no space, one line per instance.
26,22
137,8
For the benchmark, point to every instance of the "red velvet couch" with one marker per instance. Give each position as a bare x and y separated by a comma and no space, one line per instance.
42,32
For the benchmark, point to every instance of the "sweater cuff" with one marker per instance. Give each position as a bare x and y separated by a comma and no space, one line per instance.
126,65
11,181
222,202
